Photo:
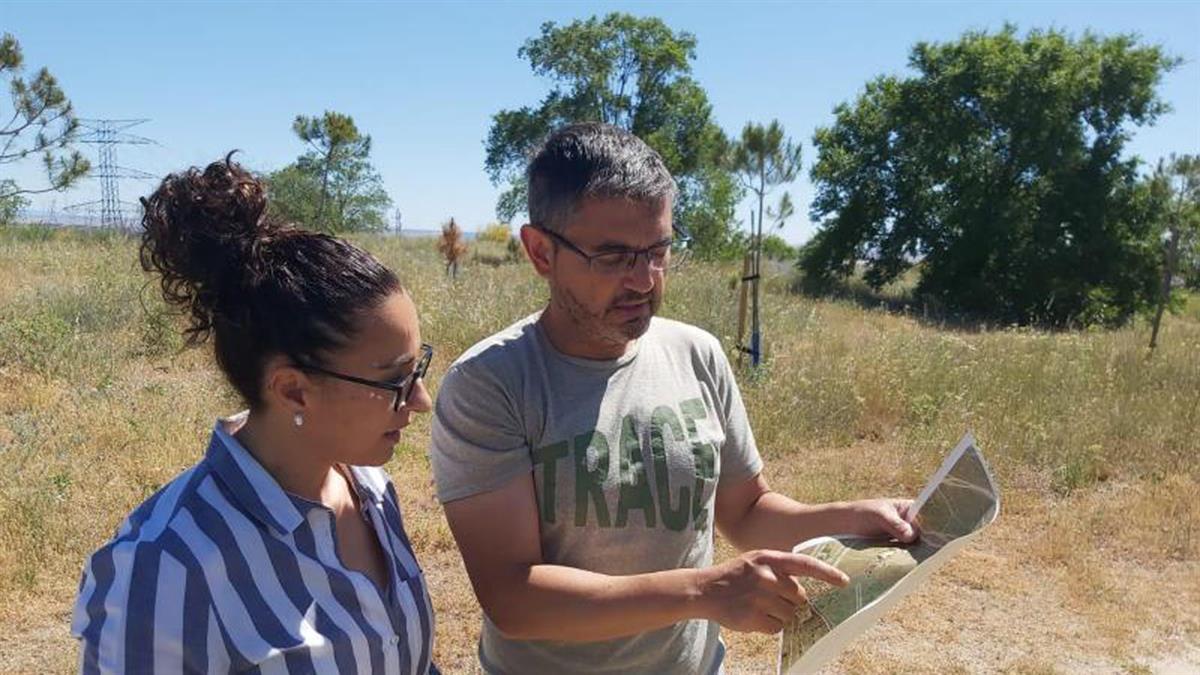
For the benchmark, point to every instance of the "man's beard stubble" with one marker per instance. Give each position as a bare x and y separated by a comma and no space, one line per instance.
595,324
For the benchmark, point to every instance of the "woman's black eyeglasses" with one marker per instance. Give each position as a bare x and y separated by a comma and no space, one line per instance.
401,389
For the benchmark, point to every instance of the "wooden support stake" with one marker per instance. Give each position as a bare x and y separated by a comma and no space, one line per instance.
742,292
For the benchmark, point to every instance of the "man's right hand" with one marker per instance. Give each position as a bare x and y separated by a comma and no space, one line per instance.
758,591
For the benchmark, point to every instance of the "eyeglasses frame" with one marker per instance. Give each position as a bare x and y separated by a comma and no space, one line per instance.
401,390
680,239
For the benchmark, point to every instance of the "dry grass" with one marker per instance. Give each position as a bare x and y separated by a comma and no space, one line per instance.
1092,566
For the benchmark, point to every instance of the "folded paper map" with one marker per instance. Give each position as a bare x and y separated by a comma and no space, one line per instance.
959,501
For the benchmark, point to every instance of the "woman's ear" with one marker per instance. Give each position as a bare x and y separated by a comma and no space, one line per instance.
286,386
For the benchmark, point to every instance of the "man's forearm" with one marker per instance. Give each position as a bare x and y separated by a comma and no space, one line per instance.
552,602
777,522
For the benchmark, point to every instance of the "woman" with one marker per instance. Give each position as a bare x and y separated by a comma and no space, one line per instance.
283,549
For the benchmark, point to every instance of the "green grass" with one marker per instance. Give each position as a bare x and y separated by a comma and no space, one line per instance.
1191,306
1087,432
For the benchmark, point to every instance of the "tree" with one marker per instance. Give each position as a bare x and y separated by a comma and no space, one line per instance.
42,124
775,248
295,194
764,159
1190,264
10,206
779,215
333,186
1177,184
452,247
497,233
1183,184
999,167
710,218
634,73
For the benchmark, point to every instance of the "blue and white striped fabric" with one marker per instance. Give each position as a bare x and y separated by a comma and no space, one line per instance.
222,570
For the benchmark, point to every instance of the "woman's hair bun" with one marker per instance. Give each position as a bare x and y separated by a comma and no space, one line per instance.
204,232
256,286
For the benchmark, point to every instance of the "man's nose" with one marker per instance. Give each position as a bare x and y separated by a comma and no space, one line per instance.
641,276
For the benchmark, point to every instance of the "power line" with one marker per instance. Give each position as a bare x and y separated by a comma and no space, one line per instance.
107,135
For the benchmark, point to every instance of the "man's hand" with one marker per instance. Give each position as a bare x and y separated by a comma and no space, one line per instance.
880,517
752,516
758,591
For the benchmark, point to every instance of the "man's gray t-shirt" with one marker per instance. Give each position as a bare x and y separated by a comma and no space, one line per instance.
625,454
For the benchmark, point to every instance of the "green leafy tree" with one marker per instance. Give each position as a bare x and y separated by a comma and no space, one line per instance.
778,216
710,218
295,194
1190,265
41,124
775,248
765,159
1000,168
332,186
634,73
1176,184
11,205
1182,178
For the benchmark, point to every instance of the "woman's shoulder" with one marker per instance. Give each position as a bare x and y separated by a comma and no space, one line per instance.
133,562
146,524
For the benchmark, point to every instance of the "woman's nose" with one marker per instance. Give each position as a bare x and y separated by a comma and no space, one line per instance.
419,400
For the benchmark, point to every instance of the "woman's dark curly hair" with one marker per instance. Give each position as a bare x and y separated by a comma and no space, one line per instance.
257,287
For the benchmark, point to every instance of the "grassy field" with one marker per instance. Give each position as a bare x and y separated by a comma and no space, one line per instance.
1094,564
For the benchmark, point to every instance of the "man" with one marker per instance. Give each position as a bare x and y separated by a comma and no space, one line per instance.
584,454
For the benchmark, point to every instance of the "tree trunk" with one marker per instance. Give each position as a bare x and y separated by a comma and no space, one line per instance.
756,334
741,330
755,326
1172,253
324,188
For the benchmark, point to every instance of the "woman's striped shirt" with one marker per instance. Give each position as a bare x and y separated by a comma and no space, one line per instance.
222,570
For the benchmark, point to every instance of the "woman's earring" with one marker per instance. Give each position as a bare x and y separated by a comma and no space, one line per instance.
298,419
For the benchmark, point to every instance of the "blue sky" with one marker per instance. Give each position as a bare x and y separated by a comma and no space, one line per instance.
425,79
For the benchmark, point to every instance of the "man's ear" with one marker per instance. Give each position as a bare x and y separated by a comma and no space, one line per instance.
537,247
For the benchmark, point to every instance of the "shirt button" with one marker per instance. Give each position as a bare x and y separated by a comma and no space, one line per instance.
395,640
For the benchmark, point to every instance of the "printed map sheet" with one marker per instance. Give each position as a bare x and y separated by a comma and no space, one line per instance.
957,503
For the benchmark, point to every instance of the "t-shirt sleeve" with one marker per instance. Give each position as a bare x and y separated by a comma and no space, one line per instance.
739,456
478,441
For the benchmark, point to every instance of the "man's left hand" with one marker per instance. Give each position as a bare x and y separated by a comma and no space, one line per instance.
880,517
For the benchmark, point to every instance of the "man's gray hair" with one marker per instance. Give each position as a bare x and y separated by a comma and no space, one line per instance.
593,160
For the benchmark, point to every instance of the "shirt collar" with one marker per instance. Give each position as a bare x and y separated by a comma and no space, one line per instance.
254,489
369,482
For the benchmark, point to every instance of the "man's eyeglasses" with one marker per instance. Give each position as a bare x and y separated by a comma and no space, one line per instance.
617,262
401,389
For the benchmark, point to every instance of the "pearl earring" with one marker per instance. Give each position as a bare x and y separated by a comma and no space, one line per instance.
298,419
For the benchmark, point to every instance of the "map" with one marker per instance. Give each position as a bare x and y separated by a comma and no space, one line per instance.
959,501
